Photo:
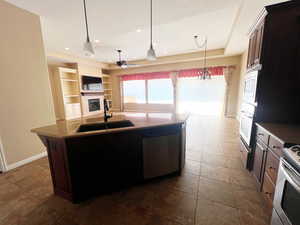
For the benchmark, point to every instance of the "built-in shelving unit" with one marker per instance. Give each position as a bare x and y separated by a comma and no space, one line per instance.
66,91
107,86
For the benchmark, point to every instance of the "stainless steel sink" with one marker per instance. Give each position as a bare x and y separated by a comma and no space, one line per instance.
103,126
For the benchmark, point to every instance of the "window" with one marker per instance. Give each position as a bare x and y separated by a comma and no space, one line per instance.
134,91
160,91
204,97
155,91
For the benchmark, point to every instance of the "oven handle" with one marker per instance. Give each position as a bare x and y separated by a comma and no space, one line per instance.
248,115
290,174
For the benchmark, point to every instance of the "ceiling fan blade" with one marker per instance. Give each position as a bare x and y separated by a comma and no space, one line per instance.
132,65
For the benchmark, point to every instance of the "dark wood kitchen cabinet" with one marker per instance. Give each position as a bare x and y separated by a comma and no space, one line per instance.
266,163
89,164
258,162
255,45
272,79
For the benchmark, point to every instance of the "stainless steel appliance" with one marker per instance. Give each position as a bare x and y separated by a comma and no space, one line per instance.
246,122
287,194
247,117
250,85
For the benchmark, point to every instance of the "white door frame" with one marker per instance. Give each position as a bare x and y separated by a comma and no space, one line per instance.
3,165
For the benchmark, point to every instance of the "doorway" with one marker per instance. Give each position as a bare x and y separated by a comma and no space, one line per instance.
201,97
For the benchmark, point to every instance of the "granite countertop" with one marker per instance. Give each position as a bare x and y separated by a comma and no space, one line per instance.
287,133
68,128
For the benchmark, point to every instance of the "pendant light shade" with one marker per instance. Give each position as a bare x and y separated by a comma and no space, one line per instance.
88,46
151,56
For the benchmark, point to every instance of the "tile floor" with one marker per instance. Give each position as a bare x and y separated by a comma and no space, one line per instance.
214,189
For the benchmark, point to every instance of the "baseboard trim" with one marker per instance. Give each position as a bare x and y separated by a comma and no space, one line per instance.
25,161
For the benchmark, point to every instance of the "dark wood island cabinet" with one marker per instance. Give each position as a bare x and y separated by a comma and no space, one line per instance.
84,164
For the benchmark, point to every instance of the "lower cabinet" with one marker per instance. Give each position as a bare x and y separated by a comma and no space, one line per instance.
266,164
268,190
89,165
258,162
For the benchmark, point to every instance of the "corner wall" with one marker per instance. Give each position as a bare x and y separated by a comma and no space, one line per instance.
25,96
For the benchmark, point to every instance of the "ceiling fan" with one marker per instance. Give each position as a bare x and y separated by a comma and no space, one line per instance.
123,63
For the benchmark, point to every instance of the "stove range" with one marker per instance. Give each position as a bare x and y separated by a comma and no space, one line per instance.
292,155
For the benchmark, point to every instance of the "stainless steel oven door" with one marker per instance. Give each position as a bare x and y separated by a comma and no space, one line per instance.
246,122
287,194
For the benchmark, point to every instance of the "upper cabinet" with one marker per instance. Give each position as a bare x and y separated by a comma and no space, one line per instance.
255,44
89,70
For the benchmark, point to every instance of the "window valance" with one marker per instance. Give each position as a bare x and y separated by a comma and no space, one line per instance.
214,71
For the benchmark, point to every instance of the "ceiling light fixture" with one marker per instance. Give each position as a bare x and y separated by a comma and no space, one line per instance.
67,49
97,41
151,52
138,30
205,73
87,47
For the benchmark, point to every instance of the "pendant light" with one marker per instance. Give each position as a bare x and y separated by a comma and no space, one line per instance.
205,73
151,52
88,46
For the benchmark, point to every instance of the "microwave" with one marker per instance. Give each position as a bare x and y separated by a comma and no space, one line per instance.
250,86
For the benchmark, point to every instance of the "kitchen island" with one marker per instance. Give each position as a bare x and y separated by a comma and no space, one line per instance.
88,157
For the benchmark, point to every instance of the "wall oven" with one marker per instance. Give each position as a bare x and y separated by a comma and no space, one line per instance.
287,196
246,122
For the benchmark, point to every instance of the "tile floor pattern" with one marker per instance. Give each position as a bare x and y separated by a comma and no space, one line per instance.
214,189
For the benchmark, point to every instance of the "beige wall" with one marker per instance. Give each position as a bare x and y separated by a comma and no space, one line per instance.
242,78
222,61
25,96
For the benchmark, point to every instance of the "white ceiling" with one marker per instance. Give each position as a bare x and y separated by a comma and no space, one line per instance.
114,24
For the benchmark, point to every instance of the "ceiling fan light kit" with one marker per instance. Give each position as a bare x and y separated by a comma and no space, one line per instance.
88,46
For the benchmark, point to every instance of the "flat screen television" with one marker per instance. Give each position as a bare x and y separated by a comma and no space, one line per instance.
91,83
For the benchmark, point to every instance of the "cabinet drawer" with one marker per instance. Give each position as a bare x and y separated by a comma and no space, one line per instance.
276,146
268,190
263,135
272,164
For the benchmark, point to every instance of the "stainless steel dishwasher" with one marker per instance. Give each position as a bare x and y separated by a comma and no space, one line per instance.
162,152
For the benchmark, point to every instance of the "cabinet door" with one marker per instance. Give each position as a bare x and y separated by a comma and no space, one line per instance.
255,46
258,162
251,51
258,43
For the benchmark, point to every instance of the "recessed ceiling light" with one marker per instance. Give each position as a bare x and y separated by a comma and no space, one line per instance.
67,49
97,41
138,30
